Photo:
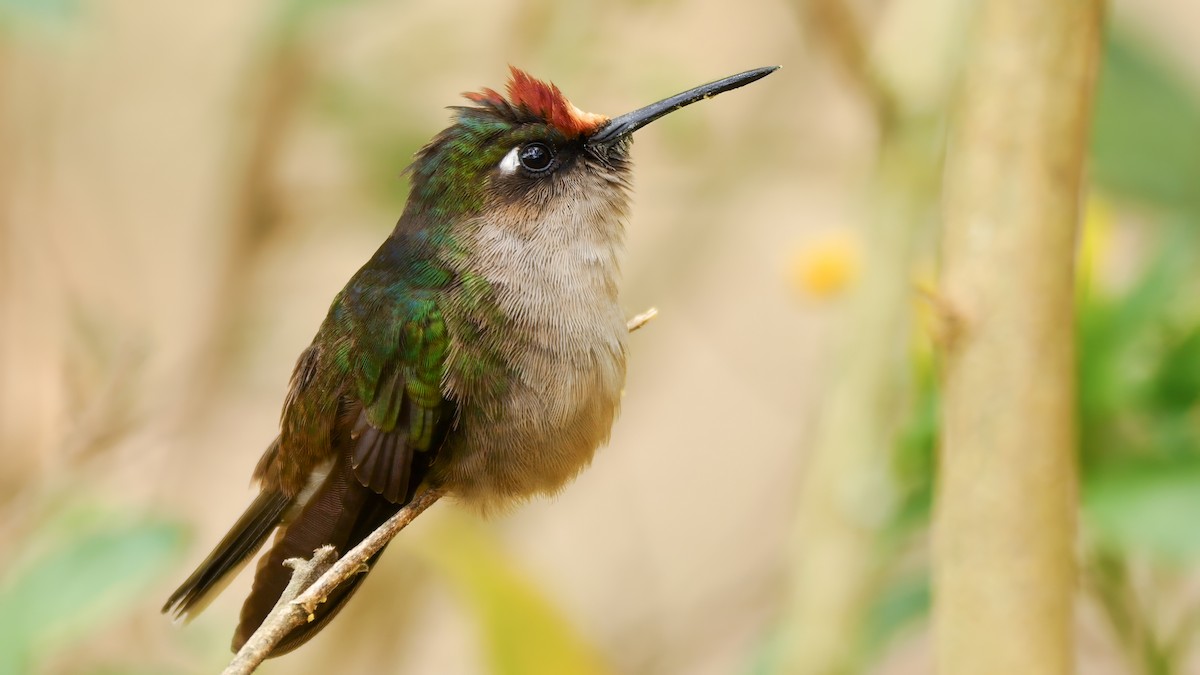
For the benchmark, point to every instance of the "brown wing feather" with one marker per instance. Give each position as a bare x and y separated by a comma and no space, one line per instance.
382,460
341,513
328,518
373,512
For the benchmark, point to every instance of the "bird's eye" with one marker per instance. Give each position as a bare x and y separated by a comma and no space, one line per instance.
535,157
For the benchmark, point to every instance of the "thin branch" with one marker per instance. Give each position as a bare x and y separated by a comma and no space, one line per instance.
314,580
641,319
838,26
282,620
843,32
289,614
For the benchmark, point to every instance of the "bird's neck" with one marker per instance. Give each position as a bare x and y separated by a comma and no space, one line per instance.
529,290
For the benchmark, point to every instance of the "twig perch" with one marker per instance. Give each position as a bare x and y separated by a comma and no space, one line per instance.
313,580
282,618
288,614
641,319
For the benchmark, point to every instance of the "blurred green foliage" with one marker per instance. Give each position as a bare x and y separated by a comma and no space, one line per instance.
522,632
1146,142
1126,348
291,18
1142,505
44,11
901,603
87,567
83,569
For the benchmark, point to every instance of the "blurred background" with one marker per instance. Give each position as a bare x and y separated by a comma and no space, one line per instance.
183,189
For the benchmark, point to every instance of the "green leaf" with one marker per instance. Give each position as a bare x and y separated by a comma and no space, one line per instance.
1177,383
914,461
1119,346
1146,140
1112,326
899,605
523,633
78,585
917,439
1150,506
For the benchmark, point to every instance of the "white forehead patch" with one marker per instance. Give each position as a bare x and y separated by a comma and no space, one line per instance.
510,162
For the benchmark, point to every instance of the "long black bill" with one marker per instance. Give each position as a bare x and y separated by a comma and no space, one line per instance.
620,127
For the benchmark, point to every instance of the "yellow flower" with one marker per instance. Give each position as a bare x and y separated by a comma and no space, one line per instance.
827,266
1096,239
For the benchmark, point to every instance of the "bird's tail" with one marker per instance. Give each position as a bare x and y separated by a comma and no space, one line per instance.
241,542
341,513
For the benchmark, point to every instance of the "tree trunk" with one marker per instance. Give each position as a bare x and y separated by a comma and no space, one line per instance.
1004,568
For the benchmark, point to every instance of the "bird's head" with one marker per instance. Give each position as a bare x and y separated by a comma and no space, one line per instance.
532,149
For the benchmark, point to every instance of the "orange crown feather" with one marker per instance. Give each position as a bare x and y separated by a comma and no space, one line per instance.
543,100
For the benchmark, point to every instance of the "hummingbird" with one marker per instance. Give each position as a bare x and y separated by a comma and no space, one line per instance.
480,350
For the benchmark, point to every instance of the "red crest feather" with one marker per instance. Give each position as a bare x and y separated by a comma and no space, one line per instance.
543,100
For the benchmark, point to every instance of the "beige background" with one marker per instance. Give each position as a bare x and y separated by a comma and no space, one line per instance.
125,376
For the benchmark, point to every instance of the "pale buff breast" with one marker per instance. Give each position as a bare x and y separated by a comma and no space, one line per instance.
560,335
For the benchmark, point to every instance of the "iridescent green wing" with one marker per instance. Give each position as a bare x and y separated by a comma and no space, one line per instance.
401,355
